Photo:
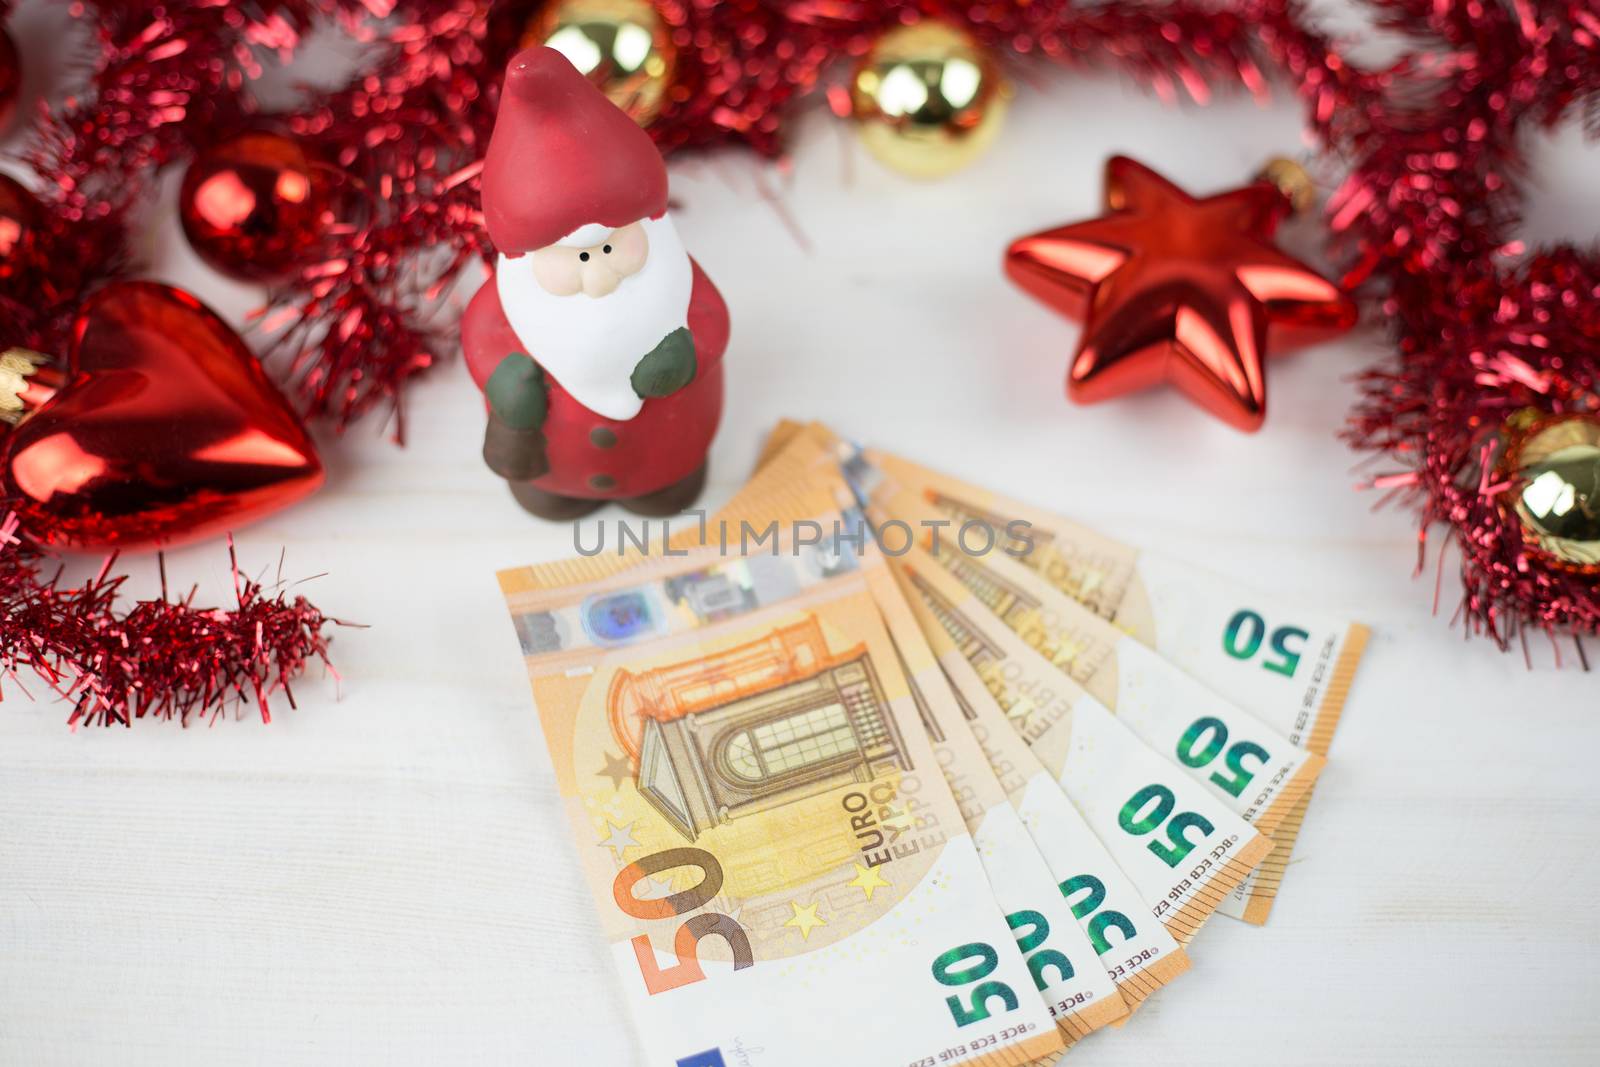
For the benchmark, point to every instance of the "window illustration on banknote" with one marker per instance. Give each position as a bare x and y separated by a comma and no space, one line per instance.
753,727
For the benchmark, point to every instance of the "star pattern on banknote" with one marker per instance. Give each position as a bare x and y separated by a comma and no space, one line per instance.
897,819
805,919
868,880
617,769
619,840
655,888
1092,579
1018,711
1073,648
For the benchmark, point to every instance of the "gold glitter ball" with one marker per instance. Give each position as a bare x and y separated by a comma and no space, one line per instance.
927,99
1556,495
623,46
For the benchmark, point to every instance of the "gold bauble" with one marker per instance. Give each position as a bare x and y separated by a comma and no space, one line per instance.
623,46
1555,464
927,99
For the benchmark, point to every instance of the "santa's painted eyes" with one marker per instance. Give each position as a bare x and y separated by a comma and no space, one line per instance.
584,256
606,250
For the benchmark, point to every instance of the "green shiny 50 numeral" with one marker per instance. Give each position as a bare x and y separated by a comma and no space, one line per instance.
1214,732
1031,929
1246,630
976,961
1100,922
1138,821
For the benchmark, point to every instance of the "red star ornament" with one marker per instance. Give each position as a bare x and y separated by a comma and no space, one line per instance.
1171,288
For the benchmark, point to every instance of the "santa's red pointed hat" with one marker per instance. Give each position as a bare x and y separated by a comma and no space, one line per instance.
563,157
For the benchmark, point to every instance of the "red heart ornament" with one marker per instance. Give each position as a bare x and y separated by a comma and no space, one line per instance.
165,430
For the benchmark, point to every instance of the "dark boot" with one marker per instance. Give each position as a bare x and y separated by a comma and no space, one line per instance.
552,506
670,500
515,455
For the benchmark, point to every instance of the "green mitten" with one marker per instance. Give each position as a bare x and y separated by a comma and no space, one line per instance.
516,392
668,367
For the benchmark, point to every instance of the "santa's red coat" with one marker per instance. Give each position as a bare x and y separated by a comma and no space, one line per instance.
591,455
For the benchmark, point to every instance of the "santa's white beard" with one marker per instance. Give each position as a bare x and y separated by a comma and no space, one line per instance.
590,345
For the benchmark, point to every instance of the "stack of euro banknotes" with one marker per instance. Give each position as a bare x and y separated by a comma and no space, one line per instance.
876,767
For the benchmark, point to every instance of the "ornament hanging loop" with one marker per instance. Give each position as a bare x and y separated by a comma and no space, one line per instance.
1290,178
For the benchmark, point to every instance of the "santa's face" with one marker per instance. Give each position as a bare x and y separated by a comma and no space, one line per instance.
595,270
588,321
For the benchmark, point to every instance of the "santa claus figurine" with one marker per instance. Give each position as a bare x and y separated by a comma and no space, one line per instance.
598,341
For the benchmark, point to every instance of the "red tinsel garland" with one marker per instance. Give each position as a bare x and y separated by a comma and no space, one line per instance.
166,77
1424,218
1425,215
1429,212
163,658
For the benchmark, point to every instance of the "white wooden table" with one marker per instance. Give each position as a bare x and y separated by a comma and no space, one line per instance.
384,875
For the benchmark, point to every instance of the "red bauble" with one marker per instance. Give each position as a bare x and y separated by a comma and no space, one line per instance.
1171,288
164,430
255,206
20,217
10,79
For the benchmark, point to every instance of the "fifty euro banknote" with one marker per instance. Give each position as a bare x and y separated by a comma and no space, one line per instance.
1136,951
1289,666
1253,768
702,589
774,855
1184,849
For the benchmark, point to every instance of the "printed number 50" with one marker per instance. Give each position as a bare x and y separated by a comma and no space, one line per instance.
1245,632
686,942
980,960
1136,821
